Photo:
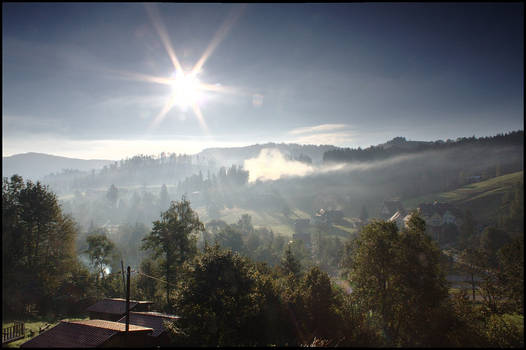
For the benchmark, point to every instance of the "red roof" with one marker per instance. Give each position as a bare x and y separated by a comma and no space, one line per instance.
153,320
114,306
70,335
80,334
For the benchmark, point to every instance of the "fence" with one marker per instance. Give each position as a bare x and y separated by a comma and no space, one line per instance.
15,332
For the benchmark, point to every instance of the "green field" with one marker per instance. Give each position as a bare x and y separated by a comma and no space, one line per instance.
483,198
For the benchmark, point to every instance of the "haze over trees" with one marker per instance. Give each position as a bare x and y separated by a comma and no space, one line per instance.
245,283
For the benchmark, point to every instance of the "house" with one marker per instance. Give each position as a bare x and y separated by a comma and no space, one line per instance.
400,219
154,320
390,207
112,309
438,215
92,334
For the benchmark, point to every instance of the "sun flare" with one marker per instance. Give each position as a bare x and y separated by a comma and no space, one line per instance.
186,89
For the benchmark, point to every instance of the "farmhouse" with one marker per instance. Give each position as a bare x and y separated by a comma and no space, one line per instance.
438,216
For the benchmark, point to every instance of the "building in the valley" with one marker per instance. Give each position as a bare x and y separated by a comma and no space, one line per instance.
112,309
438,216
92,334
400,219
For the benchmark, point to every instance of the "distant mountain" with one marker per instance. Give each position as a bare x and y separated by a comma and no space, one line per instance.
34,166
237,155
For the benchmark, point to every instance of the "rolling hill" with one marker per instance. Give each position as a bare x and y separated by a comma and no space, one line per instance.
34,166
484,199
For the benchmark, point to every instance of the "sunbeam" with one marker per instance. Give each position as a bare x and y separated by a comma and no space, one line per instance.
161,30
218,37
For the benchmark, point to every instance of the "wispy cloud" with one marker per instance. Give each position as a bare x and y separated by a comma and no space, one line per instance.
317,128
334,138
324,134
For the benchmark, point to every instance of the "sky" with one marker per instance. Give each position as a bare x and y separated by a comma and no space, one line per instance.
105,80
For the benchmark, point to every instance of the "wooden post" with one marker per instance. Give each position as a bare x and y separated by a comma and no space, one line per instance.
123,278
128,301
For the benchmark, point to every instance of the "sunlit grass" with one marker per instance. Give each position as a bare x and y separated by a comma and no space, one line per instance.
471,192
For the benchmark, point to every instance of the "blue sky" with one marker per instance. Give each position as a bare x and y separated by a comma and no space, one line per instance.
351,75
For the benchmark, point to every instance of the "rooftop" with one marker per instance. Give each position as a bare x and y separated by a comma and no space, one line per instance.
153,320
114,306
76,334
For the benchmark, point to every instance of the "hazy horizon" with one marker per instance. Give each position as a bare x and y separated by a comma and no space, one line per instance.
103,81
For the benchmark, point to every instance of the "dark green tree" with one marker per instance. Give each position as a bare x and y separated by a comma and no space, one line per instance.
290,264
38,245
230,238
224,301
396,275
511,273
173,238
491,240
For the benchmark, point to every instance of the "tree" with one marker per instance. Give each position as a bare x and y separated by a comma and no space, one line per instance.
396,275
511,273
173,238
290,264
100,250
164,200
245,224
491,240
38,245
112,195
230,238
225,301
467,231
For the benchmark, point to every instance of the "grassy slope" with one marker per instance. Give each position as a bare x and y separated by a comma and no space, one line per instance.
483,198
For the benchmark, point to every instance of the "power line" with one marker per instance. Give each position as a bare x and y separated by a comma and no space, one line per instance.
158,279
155,278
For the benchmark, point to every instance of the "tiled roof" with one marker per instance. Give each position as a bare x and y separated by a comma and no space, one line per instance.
80,334
115,326
114,305
153,320
70,335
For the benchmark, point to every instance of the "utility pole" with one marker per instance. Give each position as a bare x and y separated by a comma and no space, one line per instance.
128,301
123,278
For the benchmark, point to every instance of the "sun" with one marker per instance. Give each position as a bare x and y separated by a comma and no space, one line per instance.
186,89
